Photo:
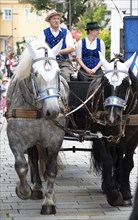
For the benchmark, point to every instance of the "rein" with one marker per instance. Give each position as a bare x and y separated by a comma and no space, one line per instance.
84,103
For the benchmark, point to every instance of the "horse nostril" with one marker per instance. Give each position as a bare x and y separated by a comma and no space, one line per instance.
48,114
51,114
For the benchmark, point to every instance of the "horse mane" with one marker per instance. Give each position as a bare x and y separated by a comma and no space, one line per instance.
23,69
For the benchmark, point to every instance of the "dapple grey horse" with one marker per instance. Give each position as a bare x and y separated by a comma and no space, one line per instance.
37,100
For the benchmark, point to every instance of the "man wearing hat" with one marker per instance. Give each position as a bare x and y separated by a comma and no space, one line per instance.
53,35
87,52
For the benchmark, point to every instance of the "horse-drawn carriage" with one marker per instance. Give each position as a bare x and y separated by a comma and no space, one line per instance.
43,110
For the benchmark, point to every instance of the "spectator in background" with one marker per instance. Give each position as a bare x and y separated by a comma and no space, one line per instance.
3,94
2,63
9,64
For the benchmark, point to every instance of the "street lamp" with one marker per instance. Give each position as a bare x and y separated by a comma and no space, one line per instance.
130,7
69,10
13,29
70,21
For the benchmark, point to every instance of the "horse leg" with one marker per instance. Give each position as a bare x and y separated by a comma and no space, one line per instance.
127,166
104,162
23,190
37,192
117,155
113,195
48,206
134,214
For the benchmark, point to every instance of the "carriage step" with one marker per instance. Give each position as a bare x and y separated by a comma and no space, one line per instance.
74,149
70,138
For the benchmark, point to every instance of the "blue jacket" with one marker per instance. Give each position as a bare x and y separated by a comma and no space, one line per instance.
52,40
90,57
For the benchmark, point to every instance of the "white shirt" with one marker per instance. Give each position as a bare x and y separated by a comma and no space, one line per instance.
92,45
69,38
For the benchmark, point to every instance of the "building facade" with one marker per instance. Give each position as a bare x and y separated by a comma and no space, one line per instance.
19,23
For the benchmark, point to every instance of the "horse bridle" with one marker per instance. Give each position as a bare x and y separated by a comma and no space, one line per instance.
51,90
115,100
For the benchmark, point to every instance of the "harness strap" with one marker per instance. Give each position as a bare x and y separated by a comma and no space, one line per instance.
43,58
28,113
132,119
24,113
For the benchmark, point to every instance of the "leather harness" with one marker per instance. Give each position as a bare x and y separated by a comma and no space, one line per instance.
38,114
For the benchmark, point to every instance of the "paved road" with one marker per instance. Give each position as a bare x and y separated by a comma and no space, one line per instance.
78,192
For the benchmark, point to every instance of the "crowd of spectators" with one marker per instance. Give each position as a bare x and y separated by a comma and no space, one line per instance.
7,63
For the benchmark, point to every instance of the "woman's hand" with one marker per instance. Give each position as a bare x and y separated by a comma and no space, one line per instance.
90,71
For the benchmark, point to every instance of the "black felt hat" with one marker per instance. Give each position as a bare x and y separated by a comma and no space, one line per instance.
92,25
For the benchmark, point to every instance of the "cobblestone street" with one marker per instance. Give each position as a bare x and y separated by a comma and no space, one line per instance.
78,191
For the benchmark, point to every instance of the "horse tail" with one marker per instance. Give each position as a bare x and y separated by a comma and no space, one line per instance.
96,163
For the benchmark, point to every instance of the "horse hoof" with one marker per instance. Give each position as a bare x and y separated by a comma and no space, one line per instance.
127,202
48,209
116,202
37,195
23,193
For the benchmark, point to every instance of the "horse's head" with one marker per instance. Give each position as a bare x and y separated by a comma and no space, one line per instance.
45,78
117,86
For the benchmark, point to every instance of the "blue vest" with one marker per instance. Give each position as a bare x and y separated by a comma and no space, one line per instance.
90,57
52,40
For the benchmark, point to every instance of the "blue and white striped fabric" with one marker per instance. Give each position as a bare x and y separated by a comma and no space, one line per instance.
134,65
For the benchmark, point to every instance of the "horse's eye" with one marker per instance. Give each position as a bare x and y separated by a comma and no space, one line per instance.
36,74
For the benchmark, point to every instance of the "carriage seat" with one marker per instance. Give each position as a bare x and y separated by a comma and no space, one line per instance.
78,92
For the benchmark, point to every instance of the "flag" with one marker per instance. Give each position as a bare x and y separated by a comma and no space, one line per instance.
134,65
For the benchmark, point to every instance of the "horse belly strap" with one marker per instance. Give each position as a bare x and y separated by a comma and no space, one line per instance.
133,120
24,113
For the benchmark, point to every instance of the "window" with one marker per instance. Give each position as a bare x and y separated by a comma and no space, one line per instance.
7,14
37,15
27,14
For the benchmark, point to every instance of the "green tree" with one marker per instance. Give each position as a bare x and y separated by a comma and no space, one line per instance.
82,12
105,35
42,4
66,6
96,13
